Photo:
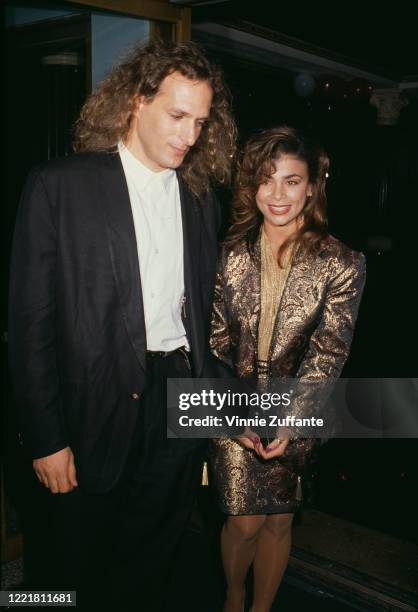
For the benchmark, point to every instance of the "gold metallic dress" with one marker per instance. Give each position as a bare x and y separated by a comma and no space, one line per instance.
296,321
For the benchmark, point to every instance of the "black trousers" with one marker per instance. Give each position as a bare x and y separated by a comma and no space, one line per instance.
117,549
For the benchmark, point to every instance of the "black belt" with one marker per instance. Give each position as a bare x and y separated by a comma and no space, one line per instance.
180,349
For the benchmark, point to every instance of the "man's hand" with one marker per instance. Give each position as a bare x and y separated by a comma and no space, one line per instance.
57,471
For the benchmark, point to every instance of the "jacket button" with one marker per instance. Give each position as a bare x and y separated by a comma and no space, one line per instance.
135,396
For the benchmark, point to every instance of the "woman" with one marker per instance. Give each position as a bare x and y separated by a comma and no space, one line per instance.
286,301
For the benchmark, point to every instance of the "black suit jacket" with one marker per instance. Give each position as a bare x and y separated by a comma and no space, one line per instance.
76,329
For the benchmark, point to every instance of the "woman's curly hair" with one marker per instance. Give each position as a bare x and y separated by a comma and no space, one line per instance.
106,115
256,166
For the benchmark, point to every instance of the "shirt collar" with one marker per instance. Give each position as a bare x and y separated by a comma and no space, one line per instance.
142,175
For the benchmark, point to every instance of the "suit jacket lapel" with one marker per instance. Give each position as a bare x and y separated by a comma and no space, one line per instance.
294,298
192,227
123,250
251,283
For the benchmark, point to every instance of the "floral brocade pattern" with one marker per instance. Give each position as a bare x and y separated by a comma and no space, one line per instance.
311,340
247,484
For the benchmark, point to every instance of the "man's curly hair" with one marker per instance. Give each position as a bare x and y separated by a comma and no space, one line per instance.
106,115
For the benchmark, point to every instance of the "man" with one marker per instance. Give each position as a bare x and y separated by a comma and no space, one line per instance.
112,276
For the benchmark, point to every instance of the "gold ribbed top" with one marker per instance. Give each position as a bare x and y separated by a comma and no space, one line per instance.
273,279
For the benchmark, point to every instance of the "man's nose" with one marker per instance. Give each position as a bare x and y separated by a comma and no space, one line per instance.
189,134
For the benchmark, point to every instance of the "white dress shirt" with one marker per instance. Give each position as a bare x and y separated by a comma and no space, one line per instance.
156,209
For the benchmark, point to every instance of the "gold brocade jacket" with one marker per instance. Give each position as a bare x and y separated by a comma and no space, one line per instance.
315,320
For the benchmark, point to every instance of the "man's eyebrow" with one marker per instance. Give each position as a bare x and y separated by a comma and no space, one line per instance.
179,111
288,176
